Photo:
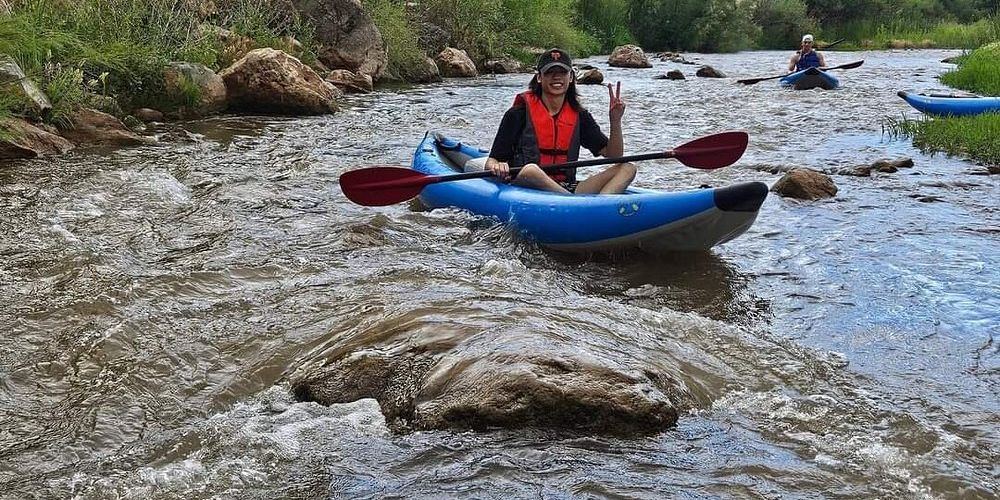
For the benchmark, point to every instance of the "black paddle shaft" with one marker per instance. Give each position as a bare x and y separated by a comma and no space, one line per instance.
557,167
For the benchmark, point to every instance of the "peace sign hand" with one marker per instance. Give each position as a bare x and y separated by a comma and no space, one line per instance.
617,107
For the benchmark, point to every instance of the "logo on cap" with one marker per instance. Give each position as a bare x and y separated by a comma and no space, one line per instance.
555,55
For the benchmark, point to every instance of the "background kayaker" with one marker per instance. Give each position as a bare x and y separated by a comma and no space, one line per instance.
807,56
547,125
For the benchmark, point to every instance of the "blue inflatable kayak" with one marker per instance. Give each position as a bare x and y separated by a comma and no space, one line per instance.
655,222
810,78
952,104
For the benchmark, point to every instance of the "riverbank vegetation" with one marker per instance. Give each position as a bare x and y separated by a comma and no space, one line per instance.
82,52
972,136
505,27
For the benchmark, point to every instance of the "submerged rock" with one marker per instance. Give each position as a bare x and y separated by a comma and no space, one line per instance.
487,384
90,126
881,166
805,184
707,71
29,141
524,390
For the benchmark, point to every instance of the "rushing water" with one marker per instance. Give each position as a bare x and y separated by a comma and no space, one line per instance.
153,302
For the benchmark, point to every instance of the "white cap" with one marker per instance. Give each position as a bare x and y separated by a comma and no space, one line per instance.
807,38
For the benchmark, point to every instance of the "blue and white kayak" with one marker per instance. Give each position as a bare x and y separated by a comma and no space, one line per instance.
655,222
810,78
951,104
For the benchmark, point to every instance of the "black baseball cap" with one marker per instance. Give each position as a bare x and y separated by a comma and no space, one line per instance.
552,58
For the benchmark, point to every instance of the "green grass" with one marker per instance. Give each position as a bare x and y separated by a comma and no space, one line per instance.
905,34
972,136
978,72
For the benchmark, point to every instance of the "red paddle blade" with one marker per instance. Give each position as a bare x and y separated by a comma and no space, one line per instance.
381,186
713,151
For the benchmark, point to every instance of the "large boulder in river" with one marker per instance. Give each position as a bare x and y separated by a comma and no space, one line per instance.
496,380
805,184
629,56
427,73
347,35
271,81
28,141
455,63
503,66
591,76
707,71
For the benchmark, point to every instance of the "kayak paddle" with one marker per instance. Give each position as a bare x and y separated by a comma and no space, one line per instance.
387,185
831,44
751,81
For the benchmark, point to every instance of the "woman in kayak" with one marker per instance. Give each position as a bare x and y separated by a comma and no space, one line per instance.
547,125
807,56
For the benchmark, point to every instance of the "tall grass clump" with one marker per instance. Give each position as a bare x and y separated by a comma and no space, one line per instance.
905,33
972,136
979,72
402,42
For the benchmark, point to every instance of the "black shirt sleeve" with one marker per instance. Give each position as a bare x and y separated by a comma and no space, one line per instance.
505,142
591,136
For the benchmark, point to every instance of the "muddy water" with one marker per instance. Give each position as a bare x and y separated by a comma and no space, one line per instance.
154,301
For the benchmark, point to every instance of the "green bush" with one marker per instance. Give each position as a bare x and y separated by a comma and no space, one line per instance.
548,23
782,23
606,21
724,26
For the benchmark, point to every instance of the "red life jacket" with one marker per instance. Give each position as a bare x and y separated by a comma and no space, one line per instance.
547,139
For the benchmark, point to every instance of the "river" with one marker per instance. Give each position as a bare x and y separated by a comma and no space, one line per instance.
154,300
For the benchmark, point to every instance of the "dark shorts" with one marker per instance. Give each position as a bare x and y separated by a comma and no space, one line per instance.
569,186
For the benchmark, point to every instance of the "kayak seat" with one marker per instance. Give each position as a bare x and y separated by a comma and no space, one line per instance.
451,152
475,164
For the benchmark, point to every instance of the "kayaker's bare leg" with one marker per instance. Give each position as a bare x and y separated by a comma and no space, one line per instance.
533,177
613,180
